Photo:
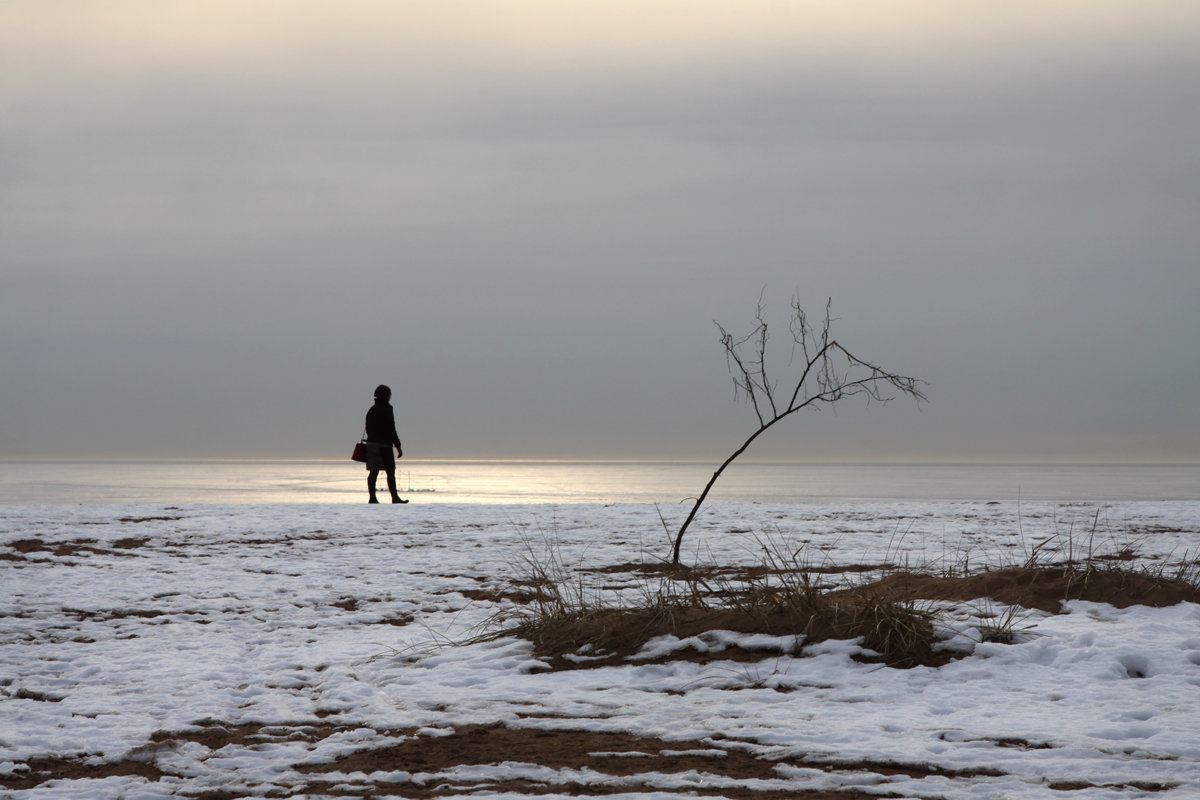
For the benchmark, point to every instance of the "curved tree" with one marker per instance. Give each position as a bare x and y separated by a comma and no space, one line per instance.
828,373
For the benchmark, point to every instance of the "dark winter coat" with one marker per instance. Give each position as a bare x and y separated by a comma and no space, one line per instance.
381,424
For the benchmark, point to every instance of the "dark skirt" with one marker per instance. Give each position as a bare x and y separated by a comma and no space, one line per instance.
380,457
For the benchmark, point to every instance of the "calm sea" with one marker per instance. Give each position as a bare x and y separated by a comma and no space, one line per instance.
159,483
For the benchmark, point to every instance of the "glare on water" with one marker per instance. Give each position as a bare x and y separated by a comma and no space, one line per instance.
500,482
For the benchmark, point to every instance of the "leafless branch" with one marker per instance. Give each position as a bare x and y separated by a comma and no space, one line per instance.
829,374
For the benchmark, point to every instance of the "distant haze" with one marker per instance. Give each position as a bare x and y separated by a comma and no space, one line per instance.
223,223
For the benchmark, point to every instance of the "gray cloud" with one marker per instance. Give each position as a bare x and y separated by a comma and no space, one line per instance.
198,262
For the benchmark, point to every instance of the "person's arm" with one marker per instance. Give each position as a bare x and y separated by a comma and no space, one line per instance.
395,436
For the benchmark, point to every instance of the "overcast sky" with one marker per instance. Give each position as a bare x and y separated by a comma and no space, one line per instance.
223,223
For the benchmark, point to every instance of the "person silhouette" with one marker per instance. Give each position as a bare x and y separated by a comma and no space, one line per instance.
381,436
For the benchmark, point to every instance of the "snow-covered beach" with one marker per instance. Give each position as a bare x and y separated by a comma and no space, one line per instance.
294,650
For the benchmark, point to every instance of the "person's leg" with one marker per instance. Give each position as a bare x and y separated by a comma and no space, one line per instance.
371,476
391,481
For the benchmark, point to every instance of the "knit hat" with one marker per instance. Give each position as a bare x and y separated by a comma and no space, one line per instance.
382,391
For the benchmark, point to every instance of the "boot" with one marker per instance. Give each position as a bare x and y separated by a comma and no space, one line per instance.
396,498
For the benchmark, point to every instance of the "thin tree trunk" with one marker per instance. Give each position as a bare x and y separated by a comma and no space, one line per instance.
709,485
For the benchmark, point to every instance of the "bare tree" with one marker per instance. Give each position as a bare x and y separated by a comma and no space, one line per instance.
829,373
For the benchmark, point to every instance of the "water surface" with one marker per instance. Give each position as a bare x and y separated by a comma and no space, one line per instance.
92,483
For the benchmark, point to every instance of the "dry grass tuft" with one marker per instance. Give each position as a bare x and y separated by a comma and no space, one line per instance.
571,623
572,627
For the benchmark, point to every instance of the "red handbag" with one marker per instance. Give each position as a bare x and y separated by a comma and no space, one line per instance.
360,452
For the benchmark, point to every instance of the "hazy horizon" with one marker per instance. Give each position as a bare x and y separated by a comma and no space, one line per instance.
222,224
334,459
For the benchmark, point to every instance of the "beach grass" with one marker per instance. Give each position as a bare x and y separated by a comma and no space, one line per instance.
900,613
